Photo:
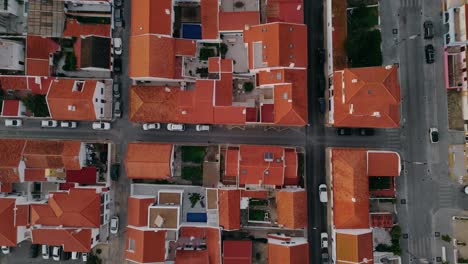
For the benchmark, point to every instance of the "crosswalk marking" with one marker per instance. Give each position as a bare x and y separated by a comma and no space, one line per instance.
445,196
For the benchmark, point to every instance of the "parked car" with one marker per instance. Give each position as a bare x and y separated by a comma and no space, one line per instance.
115,172
429,50
151,126
45,252
49,123
117,46
325,258
117,65
34,251
344,131
13,122
56,251
324,240
366,131
5,250
118,17
465,189
323,195
118,109
101,125
428,29
321,55
434,135
75,255
116,89
114,225
322,104
84,256
118,3
68,124
175,127
65,255
202,128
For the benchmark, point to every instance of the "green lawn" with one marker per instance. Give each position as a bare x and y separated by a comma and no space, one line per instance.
206,53
195,154
256,215
194,174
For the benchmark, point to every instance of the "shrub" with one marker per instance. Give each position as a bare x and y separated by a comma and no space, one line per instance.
446,238
248,86
98,251
395,232
223,50
36,104
363,48
202,71
194,174
206,53
70,62
383,248
195,154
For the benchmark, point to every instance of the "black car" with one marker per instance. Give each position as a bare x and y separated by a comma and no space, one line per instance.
429,49
118,17
118,3
65,255
428,29
344,131
366,131
322,105
117,65
321,56
325,258
115,169
34,251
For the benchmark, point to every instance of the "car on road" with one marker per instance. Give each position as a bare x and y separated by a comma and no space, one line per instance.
322,104
75,255
45,252
56,251
13,122
118,109
84,256
68,124
34,251
5,250
175,127
118,17
114,225
117,46
202,128
323,195
366,131
325,257
429,50
434,135
344,131
465,189
324,240
115,172
151,126
116,89
101,125
118,3
65,255
321,55
428,29
49,123
117,65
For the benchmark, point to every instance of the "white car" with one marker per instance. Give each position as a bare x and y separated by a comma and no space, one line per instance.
323,195
151,126
13,122
175,127
5,250
202,128
75,255
49,123
114,225
56,253
68,124
101,125
45,252
84,256
117,42
434,135
324,240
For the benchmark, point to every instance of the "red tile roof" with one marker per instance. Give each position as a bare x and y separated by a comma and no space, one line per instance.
237,251
354,247
34,175
383,163
350,188
290,173
73,28
7,222
151,17
231,161
285,11
275,53
138,210
52,154
185,47
38,67
149,245
254,194
61,97
212,236
255,170
370,97
10,108
229,209
216,65
236,21
78,240
288,254
76,208
339,34
291,206
149,161
6,187
22,215
10,157
87,175
223,90
37,54
229,115
209,19
192,257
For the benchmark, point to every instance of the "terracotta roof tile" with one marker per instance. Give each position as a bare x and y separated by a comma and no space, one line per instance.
237,251
229,115
138,210
39,67
339,34
209,19
185,47
148,161
73,28
254,169
350,188
236,21
149,245
291,162
61,96
354,246
78,240
213,243
285,11
22,215
6,187
34,175
52,154
287,254
38,47
11,108
254,194
223,90
371,97
383,163
151,17
216,65
10,157
292,208
192,257
7,222
229,209
232,161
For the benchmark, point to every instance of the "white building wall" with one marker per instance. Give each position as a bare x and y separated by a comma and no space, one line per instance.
11,55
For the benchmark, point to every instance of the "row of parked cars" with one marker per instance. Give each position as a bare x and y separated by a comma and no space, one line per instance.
346,131
50,252
174,127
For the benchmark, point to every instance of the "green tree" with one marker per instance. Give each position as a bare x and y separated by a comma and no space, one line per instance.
70,62
248,86
37,105
446,238
363,48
